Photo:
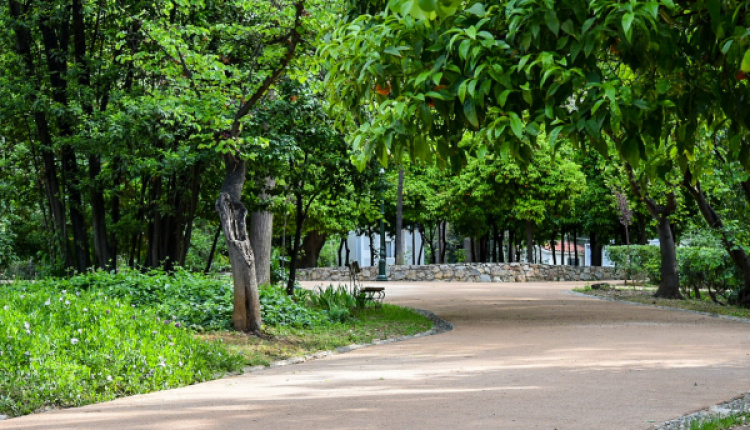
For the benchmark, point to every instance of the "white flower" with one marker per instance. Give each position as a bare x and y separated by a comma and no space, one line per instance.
27,353
80,330
67,302
109,378
47,303
85,309
26,325
78,293
6,307
74,341
21,296
65,291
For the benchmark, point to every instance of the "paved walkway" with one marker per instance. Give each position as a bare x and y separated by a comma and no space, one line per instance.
522,356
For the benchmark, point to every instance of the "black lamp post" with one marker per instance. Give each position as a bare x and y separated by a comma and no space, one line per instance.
381,263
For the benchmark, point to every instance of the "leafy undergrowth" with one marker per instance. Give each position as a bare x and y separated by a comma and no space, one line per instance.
61,348
98,336
364,326
645,295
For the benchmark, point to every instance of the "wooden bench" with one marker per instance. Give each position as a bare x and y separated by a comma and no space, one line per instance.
375,295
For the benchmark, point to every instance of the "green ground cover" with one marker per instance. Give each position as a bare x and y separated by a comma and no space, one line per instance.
98,336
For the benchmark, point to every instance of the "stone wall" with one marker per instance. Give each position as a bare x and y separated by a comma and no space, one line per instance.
468,272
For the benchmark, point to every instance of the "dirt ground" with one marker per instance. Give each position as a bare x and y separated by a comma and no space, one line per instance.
521,356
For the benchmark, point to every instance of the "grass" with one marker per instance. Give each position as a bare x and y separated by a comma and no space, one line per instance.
282,342
720,423
645,295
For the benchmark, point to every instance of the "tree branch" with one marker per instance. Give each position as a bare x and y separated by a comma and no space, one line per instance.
294,38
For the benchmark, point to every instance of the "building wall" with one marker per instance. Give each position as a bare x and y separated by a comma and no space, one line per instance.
359,248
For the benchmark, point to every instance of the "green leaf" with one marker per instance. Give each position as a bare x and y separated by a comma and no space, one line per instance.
745,67
516,125
393,51
463,49
427,5
550,18
471,113
627,22
630,151
476,9
503,97
553,135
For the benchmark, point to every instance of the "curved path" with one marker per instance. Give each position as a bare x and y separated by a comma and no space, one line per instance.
521,356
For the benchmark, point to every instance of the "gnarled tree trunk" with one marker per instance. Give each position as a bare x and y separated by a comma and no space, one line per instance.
246,316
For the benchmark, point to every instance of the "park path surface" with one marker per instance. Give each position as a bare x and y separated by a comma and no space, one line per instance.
521,356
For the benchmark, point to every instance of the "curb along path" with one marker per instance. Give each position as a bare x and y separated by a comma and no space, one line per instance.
521,356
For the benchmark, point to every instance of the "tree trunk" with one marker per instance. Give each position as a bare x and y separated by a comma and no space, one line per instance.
413,245
553,246
494,243
669,287
529,242
737,254
511,237
261,233
596,250
444,242
311,246
439,244
299,222
246,316
212,251
339,258
501,253
346,246
421,246
399,242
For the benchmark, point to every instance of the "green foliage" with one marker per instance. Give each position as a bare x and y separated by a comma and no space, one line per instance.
719,422
280,309
710,269
328,254
640,260
68,346
279,267
201,241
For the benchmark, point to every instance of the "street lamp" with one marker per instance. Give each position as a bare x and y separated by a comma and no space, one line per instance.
381,263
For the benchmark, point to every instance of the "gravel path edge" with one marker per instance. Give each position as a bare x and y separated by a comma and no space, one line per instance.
737,405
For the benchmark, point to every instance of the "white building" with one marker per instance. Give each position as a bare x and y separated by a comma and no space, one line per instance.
359,249
566,255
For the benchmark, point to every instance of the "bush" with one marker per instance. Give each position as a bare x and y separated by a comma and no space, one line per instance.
278,308
708,268
69,348
196,301
645,262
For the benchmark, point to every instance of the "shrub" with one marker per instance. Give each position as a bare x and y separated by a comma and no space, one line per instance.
708,268
69,348
278,308
646,260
